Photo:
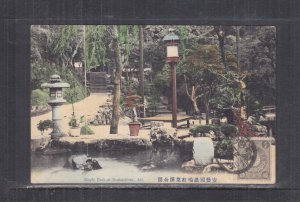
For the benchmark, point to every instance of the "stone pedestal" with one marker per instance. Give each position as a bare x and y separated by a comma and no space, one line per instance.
203,151
56,132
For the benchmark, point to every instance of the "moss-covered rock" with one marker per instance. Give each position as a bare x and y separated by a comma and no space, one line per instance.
103,144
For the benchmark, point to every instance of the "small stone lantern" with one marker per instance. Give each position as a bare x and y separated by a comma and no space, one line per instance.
56,100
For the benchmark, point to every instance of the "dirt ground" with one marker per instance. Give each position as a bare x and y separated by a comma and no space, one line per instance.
88,107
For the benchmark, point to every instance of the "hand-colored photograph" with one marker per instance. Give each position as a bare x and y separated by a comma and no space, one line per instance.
153,105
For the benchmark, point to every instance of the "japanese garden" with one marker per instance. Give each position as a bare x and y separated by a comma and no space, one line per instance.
135,101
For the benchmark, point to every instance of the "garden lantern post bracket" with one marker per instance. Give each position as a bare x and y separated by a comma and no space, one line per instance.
171,41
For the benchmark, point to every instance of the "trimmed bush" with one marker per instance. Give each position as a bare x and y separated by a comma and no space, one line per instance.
45,125
86,130
204,129
228,130
73,122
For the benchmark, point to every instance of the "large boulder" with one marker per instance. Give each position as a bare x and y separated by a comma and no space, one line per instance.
213,168
203,151
260,129
189,166
160,134
82,162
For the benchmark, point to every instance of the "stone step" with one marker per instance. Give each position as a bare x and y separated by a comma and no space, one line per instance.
98,90
98,87
161,107
160,111
96,84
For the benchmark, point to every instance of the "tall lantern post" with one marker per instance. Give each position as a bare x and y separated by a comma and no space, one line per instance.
56,100
171,41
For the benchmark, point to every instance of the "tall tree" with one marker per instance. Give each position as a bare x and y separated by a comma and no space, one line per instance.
141,68
242,84
201,70
117,81
66,44
84,59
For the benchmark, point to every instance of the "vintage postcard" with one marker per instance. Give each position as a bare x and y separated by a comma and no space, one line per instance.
153,104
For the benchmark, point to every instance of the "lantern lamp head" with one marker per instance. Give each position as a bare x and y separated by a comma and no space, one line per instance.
171,40
55,89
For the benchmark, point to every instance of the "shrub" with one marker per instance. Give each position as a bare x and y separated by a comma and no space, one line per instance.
74,94
45,125
228,130
81,119
39,98
86,130
73,122
204,129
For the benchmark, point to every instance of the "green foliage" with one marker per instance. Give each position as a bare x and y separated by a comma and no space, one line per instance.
161,80
227,92
95,51
127,38
39,98
183,36
153,99
86,130
73,122
253,106
55,48
202,63
45,125
123,38
132,86
74,94
82,119
41,73
228,130
204,69
204,129
61,45
76,91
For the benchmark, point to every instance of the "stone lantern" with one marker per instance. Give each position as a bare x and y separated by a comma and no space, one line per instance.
56,100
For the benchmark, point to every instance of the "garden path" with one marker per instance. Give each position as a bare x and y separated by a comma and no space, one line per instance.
87,107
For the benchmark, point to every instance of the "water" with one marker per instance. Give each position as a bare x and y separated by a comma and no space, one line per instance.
118,167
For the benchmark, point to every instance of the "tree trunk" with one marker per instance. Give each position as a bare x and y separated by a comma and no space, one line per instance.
207,112
196,109
242,84
238,47
85,60
192,97
141,69
117,82
221,37
73,112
